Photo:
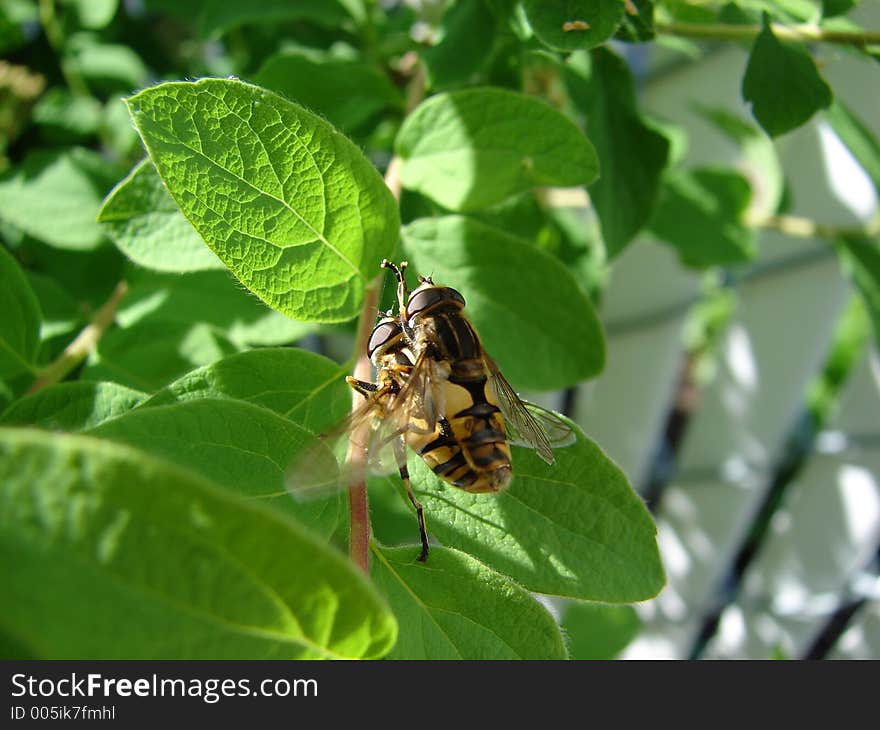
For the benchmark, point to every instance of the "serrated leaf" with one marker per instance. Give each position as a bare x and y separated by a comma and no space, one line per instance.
464,47
568,25
219,16
129,540
211,297
782,83
474,148
145,222
573,529
861,260
532,316
454,607
239,446
149,355
858,138
73,406
306,388
54,197
288,204
346,92
700,214
20,320
597,631
631,154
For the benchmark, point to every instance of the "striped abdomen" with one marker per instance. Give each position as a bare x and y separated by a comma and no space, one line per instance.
468,447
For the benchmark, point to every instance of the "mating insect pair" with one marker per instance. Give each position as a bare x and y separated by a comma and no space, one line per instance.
438,392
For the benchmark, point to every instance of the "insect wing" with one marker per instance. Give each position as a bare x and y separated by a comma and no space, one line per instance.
527,424
321,467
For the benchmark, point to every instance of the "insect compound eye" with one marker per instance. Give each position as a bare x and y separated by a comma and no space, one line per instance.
382,334
430,296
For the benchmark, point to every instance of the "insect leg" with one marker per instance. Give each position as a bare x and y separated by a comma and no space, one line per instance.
400,455
364,387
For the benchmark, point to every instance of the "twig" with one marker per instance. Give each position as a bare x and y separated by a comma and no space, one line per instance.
83,344
800,227
805,32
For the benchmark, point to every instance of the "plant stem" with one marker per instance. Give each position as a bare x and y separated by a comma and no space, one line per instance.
358,505
805,32
83,344
800,227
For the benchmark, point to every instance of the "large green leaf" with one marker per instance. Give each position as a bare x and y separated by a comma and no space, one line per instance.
146,224
532,316
573,529
567,25
288,204
473,148
454,607
631,154
109,553
55,197
20,320
700,214
240,446
149,355
306,388
346,92
597,631
212,297
72,406
464,47
782,83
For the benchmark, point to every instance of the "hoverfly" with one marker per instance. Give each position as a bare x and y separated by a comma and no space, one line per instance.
438,392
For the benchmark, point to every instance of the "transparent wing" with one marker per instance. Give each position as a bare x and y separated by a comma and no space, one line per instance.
527,424
384,417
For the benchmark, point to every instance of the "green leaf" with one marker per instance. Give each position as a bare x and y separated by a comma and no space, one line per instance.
832,8
131,541
61,313
73,406
861,259
470,149
288,204
220,16
595,631
573,529
638,26
306,388
66,116
631,154
94,14
239,446
54,197
464,47
107,65
347,93
145,222
700,214
454,607
20,320
567,25
532,316
212,297
783,84
858,138
149,355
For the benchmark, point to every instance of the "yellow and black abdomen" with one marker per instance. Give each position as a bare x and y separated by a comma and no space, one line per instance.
468,447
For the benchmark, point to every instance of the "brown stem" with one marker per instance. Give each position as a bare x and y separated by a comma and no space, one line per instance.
806,33
85,342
